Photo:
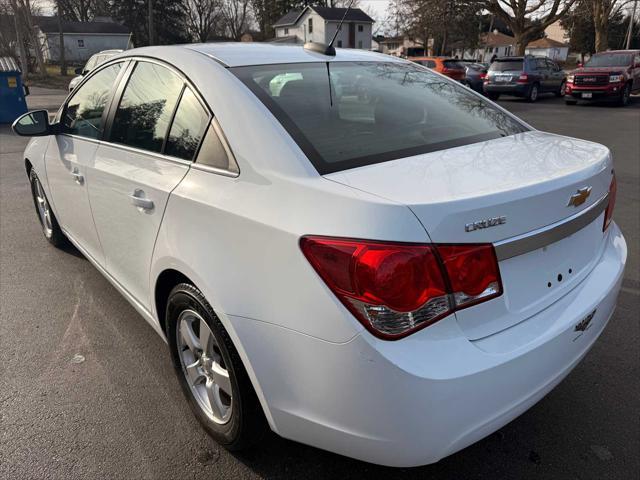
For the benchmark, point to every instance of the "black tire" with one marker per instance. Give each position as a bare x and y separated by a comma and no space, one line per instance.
625,96
570,102
533,93
51,230
493,96
561,91
247,423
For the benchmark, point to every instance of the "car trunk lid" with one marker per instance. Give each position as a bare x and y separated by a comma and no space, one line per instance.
495,191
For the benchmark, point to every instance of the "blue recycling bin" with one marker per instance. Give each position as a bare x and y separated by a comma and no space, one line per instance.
12,91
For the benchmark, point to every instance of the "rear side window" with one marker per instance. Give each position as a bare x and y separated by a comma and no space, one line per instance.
147,104
348,114
507,66
187,128
214,154
83,113
453,64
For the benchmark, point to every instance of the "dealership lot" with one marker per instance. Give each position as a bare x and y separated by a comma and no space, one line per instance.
86,387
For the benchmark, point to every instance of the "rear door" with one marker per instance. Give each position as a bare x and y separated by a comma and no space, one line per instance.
70,155
556,75
153,135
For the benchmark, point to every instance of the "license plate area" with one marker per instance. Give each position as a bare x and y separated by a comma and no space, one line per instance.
587,95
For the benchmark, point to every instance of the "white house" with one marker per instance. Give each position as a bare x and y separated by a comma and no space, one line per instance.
547,47
81,39
492,43
319,24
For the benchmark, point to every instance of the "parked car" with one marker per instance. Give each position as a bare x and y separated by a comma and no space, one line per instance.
525,77
450,67
475,74
612,75
92,63
390,271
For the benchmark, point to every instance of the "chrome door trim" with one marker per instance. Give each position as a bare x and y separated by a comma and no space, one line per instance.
535,239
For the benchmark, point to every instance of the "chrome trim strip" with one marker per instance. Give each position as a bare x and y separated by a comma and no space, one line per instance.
535,239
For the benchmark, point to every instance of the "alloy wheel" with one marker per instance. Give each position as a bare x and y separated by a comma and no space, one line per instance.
42,206
203,366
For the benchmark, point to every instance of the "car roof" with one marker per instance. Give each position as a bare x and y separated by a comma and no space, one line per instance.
237,54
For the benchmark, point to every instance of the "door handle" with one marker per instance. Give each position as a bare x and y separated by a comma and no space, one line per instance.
138,199
77,176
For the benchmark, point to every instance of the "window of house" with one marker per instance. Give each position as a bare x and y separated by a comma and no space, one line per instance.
361,28
83,113
188,127
80,43
339,43
146,107
359,43
311,25
286,31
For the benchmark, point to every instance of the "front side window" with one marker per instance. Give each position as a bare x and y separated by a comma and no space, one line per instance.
83,114
348,114
187,128
146,107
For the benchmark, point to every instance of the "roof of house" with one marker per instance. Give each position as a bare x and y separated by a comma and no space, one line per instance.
497,39
546,43
50,25
327,13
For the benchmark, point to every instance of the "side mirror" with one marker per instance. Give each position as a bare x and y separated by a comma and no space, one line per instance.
33,124
79,71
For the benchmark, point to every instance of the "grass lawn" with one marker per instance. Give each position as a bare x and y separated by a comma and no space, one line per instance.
54,78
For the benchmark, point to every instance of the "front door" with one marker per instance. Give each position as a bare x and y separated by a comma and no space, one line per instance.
71,153
136,170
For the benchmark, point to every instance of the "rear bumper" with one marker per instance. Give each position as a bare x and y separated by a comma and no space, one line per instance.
518,89
611,91
414,401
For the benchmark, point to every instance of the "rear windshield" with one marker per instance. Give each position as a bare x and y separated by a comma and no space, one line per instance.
609,60
453,64
506,66
349,114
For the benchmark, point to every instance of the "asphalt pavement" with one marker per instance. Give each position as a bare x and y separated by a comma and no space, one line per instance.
87,389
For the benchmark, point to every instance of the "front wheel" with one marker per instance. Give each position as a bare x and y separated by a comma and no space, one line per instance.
625,96
563,88
533,93
211,372
50,228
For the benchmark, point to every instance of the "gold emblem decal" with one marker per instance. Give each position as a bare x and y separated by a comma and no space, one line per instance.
579,197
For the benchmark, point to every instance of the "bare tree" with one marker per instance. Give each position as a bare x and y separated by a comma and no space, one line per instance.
527,19
603,12
236,17
203,18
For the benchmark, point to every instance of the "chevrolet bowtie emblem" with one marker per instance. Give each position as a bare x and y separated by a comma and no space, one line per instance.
579,197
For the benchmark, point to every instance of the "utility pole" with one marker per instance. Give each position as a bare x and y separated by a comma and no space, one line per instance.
631,19
63,61
151,32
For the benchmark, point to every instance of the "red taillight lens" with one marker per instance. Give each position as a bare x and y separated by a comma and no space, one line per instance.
394,289
483,76
608,214
523,78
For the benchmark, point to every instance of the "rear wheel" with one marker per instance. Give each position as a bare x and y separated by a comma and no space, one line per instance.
50,228
210,371
625,96
534,91
563,89
493,96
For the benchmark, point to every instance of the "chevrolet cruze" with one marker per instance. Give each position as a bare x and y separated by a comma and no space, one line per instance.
350,249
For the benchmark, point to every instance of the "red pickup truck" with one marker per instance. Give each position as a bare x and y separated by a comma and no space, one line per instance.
612,75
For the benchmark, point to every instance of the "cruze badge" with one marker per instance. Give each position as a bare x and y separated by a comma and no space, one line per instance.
489,222
579,197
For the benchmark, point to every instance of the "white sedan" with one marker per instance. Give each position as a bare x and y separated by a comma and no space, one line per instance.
350,249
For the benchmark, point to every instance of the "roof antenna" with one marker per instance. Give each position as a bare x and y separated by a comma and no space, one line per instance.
328,49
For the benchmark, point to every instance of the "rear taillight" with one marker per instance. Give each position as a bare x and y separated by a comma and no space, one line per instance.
523,78
395,289
483,76
608,214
